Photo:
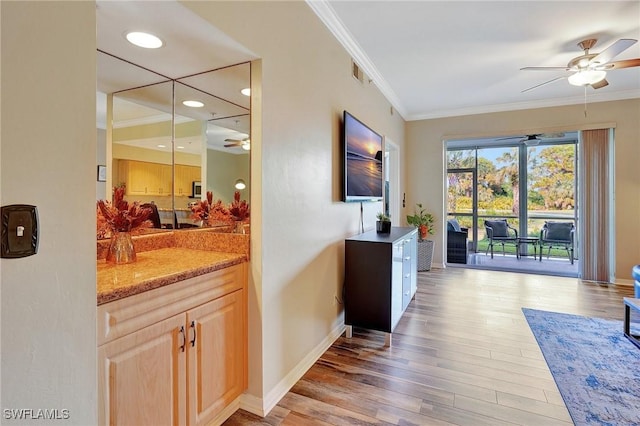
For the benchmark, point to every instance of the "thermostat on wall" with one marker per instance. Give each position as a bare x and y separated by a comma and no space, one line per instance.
19,231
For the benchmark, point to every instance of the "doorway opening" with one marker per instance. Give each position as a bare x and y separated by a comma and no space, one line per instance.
527,185
391,169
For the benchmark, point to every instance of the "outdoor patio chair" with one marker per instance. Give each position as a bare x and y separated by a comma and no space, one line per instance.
500,232
557,235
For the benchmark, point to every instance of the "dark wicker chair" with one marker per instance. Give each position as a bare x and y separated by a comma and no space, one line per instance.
500,232
456,242
557,235
155,216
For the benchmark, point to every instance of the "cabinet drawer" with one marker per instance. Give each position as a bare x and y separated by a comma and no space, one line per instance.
125,316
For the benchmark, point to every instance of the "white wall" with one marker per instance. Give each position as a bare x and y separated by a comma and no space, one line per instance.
47,140
425,160
223,169
305,85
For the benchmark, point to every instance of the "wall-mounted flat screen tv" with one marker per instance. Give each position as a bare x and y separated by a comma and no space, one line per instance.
362,161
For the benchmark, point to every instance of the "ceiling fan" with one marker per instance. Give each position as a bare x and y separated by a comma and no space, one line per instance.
534,139
244,143
590,69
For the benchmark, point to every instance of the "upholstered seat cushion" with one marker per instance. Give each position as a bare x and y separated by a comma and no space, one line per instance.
559,231
453,225
499,228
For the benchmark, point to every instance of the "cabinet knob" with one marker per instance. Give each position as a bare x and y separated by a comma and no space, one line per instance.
406,293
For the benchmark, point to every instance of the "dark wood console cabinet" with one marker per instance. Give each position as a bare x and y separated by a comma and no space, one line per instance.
380,278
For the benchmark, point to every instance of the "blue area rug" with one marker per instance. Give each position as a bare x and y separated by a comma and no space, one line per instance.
596,368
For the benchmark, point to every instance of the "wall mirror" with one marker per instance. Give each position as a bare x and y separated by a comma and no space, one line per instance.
172,140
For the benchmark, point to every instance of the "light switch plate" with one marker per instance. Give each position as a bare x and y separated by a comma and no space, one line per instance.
19,236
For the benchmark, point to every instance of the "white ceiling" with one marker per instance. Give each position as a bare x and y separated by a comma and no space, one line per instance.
445,58
429,58
191,46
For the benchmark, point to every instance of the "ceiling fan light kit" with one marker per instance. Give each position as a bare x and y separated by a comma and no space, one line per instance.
590,69
586,77
244,143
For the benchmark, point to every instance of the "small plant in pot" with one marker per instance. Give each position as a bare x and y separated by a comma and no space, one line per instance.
383,225
421,220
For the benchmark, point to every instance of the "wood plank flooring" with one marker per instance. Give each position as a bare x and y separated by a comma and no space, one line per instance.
462,354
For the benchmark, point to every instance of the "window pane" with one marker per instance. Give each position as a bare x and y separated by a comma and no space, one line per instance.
498,193
461,159
551,181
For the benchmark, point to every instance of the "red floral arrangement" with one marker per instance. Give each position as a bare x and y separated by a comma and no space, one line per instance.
120,216
210,212
239,209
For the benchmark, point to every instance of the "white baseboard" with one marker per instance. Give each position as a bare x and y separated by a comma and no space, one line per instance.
262,406
252,404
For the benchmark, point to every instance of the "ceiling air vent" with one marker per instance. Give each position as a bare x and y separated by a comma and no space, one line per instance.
357,72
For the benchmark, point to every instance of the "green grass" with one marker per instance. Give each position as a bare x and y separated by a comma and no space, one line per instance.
511,249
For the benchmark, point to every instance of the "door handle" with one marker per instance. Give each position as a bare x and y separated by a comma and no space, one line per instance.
184,338
193,326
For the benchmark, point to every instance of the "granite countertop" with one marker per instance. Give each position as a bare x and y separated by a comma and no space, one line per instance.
157,268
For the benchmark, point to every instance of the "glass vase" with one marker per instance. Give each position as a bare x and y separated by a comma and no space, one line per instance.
239,227
121,249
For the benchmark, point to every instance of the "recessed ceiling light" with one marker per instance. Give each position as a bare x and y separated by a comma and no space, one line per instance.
162,146
193,104
146,40
246,91
180,147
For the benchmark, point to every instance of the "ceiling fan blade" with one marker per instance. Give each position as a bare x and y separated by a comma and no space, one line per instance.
612,51
552,135
626,63
229,145
545,69
509,138
542,84
601,83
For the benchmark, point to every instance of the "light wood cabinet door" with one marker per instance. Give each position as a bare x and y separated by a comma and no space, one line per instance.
184,177
143,178
142,376
216,363
165,179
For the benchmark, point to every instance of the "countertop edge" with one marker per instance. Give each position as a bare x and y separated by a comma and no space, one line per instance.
120,293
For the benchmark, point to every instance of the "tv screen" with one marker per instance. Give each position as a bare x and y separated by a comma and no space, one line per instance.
362,157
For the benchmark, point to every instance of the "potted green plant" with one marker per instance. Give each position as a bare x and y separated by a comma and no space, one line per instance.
424,222
421,220
383,225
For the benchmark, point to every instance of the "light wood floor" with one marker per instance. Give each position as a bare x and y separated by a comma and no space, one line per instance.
462,354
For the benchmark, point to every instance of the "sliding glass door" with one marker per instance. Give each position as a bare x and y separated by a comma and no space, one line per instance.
526,185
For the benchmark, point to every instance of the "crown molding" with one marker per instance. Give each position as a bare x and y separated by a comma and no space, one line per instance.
328,16
545,103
